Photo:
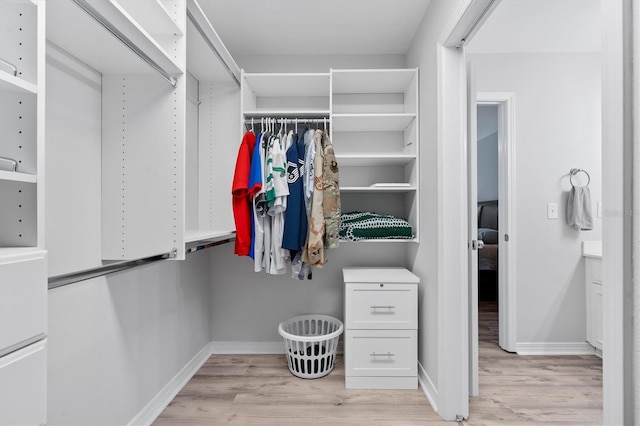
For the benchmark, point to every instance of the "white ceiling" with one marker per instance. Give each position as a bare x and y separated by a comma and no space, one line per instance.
322,27
540,26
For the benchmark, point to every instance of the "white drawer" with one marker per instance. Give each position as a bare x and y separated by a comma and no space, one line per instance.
381,306
23,302
381,353
23,386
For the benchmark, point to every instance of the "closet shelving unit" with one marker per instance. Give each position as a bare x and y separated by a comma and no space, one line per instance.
213,94
376,137
141,66
23,280
22,127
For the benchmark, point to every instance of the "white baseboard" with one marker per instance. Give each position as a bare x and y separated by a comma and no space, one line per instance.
554,348
232,347
153,409
427,387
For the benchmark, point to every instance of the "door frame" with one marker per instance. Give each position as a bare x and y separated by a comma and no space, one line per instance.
453,348
507,306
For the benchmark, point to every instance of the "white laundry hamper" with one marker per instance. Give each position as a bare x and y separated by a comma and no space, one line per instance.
310,344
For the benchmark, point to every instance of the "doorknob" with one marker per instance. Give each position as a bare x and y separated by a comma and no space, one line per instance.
477,244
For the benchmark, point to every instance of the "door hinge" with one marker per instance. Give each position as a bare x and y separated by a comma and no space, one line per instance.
506,237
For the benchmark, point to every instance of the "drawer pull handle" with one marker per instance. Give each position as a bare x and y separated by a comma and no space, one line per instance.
382,307
388,354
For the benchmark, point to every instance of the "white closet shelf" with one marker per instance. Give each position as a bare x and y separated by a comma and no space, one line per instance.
371,122
288,85
65,20
192,235
152,16
17,254
15,84
374,159
18,177
390,240
372,81
287,113
378,189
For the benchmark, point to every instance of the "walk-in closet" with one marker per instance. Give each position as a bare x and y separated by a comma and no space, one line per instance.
234,212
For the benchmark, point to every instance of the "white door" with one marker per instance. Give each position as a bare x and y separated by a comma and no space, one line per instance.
474,244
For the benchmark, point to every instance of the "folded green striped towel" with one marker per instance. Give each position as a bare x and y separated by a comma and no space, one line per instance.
358,226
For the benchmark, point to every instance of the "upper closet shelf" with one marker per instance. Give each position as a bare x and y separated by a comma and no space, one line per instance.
278,113
382,188
374,159
288,85
372,81
19,254
152,16
112,42
371,122
17,177
15,84
192,235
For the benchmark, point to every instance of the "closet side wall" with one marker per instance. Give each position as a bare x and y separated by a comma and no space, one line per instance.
116,341
423,258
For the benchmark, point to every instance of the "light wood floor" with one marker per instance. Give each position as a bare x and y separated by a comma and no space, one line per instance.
532,389
259,390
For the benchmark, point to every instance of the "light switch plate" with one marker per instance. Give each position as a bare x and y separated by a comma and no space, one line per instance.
599,209
552,210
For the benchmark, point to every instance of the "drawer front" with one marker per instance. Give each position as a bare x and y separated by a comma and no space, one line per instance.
381,306
23,386
23,303
381,353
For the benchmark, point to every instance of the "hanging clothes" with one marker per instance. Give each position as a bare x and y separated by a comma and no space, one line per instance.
331,203
278,191
286,200
295,223
240,195
315,252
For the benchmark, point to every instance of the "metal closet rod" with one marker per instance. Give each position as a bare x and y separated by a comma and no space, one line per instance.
286,120
84,5
74,277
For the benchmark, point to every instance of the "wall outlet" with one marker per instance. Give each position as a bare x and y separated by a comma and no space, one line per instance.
552,210
599,209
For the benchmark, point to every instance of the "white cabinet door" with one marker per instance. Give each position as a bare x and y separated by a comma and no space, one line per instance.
596,315
23,386
23,302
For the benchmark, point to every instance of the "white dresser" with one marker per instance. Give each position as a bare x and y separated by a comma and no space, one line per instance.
381,328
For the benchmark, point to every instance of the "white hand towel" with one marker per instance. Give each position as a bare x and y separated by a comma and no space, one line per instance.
579,208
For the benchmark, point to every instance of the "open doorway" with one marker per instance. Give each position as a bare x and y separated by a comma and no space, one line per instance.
558,89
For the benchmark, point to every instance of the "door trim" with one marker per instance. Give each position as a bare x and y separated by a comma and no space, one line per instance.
507,302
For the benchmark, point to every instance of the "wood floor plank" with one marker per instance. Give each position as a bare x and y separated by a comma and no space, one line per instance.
514,390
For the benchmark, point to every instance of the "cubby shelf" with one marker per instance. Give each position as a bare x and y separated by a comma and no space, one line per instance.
12,83
18,177
374,159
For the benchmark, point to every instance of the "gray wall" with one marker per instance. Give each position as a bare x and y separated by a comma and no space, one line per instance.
114,342
423,259
558,107
247,306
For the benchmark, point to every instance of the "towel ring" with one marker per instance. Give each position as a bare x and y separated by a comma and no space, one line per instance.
573,172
